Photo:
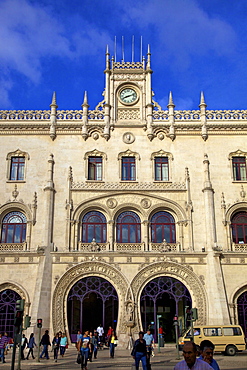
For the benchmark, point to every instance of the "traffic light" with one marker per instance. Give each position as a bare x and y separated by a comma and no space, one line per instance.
27,321
194,314
39,323
18,319
19,306
187,314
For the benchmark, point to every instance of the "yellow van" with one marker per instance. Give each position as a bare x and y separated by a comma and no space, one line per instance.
226,338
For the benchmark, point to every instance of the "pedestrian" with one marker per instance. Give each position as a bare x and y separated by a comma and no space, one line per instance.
91,346
96,343
55,346
139,352
83,347
24,343
3,343
45,342
109,333
207,353
111,343
148,337
190,361
100,331
63,344
30,346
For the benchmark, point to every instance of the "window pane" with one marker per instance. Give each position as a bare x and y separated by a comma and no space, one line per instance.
95,168
128,169
239,168
17,168
161,169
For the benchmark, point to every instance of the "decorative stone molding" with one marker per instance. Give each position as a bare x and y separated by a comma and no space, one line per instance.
128,114
75,273
181,272
18,289
146,203
111,203
128,138
110,186
162,153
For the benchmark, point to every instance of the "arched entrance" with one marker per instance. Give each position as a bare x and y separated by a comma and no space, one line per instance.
164,297
8,300
91,301
242,311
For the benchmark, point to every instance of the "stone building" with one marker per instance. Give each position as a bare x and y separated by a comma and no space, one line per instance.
124,213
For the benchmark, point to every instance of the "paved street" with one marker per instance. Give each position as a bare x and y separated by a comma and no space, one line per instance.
162,361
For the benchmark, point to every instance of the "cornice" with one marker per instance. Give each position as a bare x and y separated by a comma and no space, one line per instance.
76,186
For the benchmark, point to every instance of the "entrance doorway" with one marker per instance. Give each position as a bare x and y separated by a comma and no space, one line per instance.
92,301
164,298
8,300
242,311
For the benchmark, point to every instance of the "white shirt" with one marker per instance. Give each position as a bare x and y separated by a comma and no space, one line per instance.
198,365
100,330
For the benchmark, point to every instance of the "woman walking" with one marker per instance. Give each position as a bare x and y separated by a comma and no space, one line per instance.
30,346
83,347
55,344
111,342
63,343
139,352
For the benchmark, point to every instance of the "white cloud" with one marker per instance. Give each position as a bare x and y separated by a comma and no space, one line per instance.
181,28
31,33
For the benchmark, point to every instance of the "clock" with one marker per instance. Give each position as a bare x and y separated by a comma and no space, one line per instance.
128,95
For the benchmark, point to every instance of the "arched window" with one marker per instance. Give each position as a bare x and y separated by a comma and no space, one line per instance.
14,228
128,228
94,227
163,227
239,228
8,300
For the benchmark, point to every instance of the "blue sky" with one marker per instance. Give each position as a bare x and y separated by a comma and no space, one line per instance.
59,45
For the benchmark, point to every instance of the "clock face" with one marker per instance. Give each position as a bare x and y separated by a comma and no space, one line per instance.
128,95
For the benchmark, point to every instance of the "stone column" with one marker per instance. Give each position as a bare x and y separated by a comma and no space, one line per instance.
218,310
41,306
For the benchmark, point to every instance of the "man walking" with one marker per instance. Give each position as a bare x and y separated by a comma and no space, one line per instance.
45,341
148,337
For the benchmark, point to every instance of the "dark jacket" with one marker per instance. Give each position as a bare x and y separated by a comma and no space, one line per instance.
139,344
45,339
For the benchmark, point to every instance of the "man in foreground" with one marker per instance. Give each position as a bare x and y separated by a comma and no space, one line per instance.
190,361
207,352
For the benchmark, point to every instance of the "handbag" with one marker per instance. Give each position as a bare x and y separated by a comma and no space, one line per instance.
79,359
115,342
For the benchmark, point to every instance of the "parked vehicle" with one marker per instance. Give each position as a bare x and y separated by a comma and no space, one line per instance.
226,338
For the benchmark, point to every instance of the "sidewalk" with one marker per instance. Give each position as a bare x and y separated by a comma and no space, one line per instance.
164,360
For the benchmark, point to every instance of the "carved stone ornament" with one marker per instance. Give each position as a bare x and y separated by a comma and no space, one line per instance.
180,272
80,271
128,138
111,203
146,203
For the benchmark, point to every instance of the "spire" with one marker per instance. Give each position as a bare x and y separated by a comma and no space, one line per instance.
203,106
53,117
170,103
85,107
107,55
148,58
85,102
171,107
202,101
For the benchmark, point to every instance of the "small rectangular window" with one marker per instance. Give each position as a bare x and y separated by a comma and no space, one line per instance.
161,169
17,168
212,332
239,168
95,168
128,169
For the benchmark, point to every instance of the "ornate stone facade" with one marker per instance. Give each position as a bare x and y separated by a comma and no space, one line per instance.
125,157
